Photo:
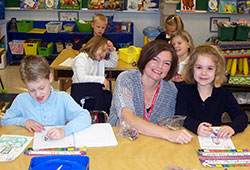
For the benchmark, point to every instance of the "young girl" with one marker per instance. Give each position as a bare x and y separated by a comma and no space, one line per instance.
203,100
172,23
89,65
183,44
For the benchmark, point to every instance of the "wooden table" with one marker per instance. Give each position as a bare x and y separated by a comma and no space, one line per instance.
145,153
64,74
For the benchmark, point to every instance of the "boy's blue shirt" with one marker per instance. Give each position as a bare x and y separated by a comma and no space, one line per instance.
59,108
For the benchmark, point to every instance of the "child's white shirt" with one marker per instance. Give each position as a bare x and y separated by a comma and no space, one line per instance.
181,65
87,70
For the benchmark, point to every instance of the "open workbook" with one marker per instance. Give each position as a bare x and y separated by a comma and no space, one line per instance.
97,135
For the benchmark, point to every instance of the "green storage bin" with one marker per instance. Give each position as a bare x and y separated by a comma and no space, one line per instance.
84,27
24,25
46,51
226,33
241,32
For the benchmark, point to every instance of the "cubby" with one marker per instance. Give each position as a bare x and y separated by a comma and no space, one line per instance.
118,37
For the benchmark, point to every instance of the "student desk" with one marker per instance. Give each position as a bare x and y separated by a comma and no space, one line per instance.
64,74
145,153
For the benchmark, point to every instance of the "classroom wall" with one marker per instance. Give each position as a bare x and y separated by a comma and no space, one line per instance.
197,24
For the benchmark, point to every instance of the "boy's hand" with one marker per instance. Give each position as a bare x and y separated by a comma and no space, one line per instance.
34,126
110,46
106,84
204,129
225,132
55,133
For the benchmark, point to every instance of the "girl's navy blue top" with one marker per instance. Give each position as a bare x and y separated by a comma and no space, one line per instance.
189,103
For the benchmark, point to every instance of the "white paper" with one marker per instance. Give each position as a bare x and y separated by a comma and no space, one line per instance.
40,143
97,135
213,142
11,146
68,62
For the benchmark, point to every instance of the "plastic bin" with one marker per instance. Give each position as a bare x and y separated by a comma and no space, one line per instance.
241,32
86,27
30,46
226,33
54,27
46,51
24,25
54,162
130,54
68,27
16,46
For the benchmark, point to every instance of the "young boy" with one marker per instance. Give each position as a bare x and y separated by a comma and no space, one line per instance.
42,106
99,25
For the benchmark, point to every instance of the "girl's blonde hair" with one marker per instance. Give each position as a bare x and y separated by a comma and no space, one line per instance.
186,37
175,20
93,45
215,54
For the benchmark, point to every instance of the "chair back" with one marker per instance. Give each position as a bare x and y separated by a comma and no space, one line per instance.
92,97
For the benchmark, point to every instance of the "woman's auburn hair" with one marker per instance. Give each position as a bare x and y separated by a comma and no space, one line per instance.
151,50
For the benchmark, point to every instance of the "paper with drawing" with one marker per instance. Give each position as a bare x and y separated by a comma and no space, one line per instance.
213,142
11,146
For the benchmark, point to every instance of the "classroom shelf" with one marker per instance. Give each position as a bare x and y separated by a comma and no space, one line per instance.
83,10
118,37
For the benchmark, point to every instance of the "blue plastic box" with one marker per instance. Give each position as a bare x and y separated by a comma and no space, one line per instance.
59,162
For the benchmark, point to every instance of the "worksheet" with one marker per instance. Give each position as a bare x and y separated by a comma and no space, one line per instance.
213,142
11,146
40,141
97,135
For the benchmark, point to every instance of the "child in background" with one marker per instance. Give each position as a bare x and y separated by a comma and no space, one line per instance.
172,23
42,106
183,45
99,25
203,100
89,65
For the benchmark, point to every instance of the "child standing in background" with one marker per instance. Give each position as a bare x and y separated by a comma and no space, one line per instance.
172,23
99,25
42,106
183,45
89,65
203,100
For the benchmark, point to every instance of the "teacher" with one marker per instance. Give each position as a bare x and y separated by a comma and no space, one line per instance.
143,96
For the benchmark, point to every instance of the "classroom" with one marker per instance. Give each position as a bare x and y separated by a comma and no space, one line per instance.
126,133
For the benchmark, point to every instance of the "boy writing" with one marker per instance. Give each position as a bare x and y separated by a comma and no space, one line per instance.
99,25
42,106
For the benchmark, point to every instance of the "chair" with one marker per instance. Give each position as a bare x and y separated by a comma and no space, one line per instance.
92,97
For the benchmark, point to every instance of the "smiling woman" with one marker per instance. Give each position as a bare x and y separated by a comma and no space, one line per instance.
143,96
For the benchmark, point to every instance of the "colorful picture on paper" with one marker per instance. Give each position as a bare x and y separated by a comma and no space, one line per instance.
188,5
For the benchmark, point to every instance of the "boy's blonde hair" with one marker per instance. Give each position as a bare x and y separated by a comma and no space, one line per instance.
100,17
186,37
175,20
33,68
215,54
93,45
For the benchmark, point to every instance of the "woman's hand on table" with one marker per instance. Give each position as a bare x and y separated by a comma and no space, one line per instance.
179,136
